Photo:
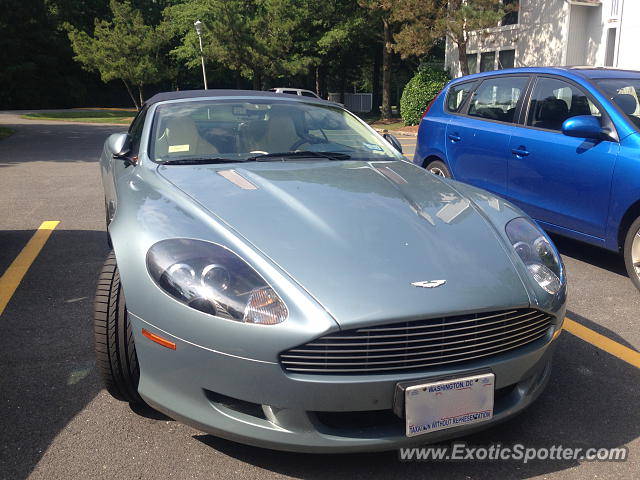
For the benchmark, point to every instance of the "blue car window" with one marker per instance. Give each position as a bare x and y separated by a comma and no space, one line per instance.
553,101
457,95
625,93
497,98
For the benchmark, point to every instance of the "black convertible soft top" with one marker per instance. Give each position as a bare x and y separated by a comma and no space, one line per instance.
164,96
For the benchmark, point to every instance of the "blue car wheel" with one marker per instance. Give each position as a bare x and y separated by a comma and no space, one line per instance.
439,168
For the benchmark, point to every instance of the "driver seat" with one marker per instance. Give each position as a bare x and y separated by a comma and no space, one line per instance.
280,134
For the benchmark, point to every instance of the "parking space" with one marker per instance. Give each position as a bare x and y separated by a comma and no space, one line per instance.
57,421
408,145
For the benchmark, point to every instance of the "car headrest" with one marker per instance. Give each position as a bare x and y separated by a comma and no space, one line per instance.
579,106
553,109
182,128
626,102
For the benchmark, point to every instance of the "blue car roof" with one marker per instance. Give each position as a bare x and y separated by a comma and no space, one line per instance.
584,72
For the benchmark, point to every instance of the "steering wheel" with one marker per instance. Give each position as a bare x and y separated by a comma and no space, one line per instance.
310,139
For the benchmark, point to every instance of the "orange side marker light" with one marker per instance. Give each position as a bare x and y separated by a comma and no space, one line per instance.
155,338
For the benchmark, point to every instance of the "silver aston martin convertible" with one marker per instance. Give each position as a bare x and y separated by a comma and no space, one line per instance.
282,277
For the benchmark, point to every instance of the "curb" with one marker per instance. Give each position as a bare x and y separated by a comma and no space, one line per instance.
401,132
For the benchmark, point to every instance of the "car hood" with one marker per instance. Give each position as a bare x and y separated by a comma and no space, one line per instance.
356,235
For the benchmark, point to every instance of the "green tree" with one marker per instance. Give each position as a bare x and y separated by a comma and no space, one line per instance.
426,21
123,48
252,38
382,11
340,35
37,70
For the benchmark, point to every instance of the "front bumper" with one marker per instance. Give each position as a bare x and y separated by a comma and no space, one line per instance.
258,403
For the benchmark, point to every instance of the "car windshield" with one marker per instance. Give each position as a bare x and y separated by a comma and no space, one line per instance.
624,92
245,129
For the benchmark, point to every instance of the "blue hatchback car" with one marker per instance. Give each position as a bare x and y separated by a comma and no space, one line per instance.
561,143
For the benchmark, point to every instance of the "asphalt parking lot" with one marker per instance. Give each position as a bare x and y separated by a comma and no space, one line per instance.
56,421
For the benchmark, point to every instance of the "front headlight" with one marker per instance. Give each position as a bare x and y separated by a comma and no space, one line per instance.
537,252
214,280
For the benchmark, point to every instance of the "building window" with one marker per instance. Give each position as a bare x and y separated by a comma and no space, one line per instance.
472,62
615,4
511,7
610,51
506,58
487,61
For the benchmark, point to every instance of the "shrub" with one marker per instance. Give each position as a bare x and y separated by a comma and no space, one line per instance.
421,89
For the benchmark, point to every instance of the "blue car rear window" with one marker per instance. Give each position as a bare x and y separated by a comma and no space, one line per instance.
457,95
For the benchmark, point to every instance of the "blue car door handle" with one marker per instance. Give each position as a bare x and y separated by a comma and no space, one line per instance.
521,151
454,137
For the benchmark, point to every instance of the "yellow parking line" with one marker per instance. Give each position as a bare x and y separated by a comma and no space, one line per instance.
603,343
20,265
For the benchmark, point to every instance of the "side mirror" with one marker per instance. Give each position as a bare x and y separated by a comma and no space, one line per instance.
119,144
583,126
395,143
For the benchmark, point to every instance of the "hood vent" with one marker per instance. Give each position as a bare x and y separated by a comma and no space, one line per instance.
237,179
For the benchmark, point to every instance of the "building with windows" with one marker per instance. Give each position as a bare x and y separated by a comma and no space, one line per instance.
600,33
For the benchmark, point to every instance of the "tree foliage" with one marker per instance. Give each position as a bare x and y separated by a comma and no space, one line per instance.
37,70
253,38
123,48
426,21
419,92
419,30
383,10
333,45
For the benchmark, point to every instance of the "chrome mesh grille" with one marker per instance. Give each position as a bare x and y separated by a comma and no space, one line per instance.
408,346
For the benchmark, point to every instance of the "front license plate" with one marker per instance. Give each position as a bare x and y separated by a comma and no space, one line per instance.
430,407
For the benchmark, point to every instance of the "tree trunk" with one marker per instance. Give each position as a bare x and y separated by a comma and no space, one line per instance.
462,57
318,81
257,83
238,79
133,98
321,81
141,93
377,62
343,81
386,71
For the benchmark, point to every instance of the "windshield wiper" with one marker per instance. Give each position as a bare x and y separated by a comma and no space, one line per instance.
268,157
201,161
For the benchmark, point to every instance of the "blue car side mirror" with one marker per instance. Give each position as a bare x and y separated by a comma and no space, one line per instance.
583,126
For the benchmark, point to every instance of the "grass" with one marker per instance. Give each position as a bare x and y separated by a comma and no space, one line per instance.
91,116
393,123
5,132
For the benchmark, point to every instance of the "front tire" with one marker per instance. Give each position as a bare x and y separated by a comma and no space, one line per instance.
115,349
439,169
